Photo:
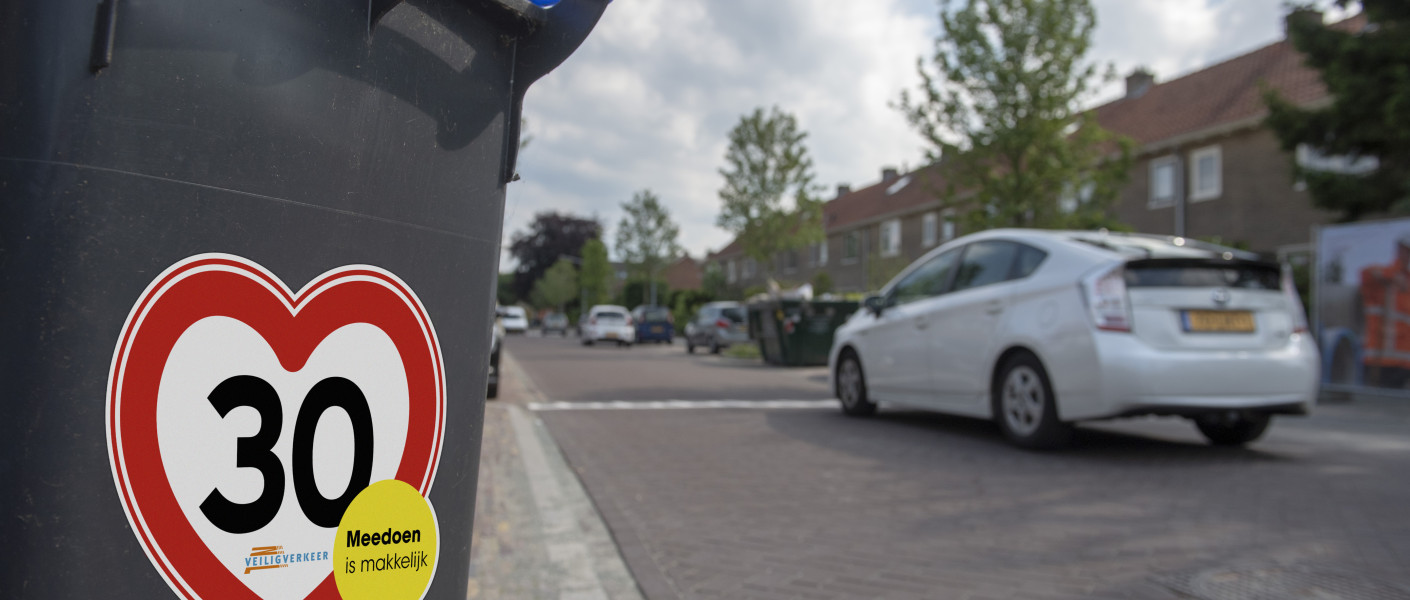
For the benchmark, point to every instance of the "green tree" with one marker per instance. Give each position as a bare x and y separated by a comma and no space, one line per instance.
1367,73
595,277
504,289
822,283
557,286
713,281
768,200
646,238
1002,108
551,236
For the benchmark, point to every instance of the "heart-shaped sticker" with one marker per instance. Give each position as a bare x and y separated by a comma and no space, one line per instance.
243,419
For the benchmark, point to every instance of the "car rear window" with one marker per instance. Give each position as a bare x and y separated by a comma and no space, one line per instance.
733,314
655,314
1187,274
607,314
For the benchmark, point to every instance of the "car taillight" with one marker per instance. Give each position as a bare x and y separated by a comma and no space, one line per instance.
592,321
629,321
1299,317
723,324
670,318
1107,302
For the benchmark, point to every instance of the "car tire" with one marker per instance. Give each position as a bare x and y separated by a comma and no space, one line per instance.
714,346
689,347
1025,407
587,341
851,387
492,392
1232,428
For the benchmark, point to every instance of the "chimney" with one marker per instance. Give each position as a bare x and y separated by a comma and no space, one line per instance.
1138,82
1299,15
889,174
843,189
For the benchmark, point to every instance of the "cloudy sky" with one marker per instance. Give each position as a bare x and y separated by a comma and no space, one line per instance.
648,100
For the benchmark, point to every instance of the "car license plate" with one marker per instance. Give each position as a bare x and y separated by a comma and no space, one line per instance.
1218,321
611,335
655,329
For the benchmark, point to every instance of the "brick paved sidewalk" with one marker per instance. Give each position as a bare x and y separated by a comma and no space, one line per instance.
537,534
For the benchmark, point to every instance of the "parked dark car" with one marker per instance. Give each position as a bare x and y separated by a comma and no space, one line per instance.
654,324
715,326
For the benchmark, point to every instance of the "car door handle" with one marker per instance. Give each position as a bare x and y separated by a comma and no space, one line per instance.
994,307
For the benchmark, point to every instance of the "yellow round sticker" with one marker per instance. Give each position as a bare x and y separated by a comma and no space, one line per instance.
387,544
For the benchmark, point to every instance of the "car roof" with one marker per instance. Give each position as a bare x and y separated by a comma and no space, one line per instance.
1115,243
607,307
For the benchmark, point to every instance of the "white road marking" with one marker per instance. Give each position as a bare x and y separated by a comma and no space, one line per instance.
684,404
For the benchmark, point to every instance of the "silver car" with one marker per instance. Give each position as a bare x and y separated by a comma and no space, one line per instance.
715,326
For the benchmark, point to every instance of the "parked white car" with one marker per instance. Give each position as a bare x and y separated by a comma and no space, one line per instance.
1041,329
609,323
514,318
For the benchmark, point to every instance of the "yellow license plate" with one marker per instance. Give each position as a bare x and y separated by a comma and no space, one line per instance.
656,329
1218,321
611,335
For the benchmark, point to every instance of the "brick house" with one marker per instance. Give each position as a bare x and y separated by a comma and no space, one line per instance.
870,234
682,274
1205,166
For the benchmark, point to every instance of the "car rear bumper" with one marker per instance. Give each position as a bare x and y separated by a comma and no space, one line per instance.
645,333
611,334
1137,379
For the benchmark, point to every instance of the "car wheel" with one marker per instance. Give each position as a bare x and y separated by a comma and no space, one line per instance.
689,347
1024,405
852,387
714,346
1232,428
587,341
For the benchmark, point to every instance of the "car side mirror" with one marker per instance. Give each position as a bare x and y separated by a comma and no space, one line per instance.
875,304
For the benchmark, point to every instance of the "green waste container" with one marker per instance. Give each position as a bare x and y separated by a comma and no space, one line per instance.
797,333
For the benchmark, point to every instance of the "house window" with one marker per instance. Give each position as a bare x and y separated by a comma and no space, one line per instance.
820,254
851,246
1070,201
730,272
927,229
890,237
748,268
947,227
790,261
1206,180
1163,182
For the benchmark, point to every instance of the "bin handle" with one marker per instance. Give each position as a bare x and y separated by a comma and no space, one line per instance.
539,39
563,28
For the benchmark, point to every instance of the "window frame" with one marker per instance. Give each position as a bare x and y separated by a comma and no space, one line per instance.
851,246
1196,194
889,245
1152,200
945,288
929,229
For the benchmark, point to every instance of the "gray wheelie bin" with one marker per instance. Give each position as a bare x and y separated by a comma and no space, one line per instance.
247,260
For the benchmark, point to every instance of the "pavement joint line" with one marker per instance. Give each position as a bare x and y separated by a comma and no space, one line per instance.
682,405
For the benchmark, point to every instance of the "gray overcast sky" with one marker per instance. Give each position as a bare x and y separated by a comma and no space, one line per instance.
648,100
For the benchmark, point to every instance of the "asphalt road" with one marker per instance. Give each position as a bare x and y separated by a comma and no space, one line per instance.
768,502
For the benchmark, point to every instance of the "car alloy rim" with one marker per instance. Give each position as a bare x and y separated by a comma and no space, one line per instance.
850,379
1023,400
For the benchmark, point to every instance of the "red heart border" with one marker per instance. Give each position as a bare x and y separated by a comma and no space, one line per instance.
293,324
